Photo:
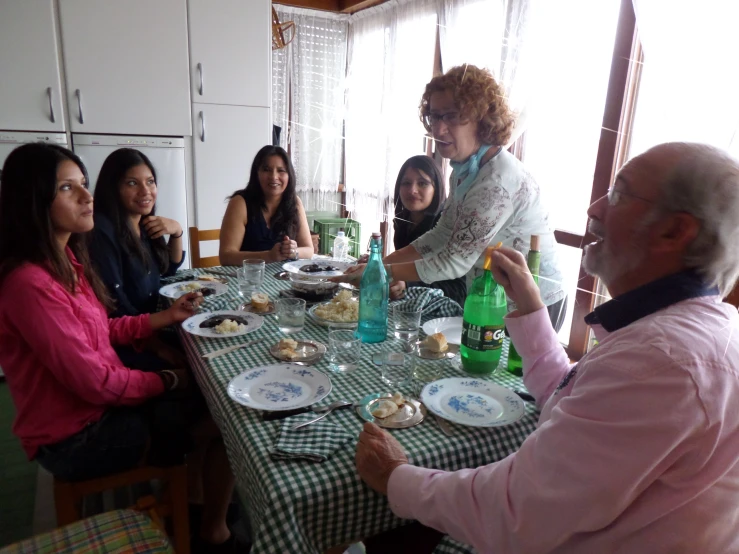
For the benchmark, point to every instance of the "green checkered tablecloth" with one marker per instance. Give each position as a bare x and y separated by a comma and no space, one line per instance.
305,507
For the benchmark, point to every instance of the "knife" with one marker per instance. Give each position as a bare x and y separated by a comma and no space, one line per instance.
272,416
224,273
216,353
443,425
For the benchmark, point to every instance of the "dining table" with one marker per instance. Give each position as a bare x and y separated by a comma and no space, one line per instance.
308,507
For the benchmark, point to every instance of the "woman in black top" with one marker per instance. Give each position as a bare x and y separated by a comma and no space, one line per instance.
419,199
129,250
266,220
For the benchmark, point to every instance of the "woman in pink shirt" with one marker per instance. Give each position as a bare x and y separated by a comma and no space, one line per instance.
79,411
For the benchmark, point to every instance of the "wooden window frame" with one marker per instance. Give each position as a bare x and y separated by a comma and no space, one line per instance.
612,150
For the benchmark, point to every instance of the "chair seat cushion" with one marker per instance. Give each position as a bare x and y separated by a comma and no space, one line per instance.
116,532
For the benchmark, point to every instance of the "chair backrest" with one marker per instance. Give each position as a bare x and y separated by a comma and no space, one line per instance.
733,297
196,237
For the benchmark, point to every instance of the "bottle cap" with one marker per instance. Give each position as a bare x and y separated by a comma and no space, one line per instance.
376,235
535,243
488,254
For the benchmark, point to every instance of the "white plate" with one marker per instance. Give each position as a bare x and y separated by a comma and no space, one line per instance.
279,387
175,290
192,324
472,402
450,326
294,267
327,322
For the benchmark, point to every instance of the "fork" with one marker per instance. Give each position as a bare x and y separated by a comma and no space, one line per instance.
326,409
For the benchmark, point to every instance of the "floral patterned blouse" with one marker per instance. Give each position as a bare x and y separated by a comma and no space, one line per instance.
503,204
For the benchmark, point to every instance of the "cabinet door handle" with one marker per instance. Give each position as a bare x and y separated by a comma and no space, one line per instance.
51,106
202,127
200,72
78,94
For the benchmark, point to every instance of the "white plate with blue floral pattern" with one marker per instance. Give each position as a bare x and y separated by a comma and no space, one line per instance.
472,402
279,387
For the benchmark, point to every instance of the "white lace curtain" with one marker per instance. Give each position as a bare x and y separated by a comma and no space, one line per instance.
491,34
312,68
689,89
391,57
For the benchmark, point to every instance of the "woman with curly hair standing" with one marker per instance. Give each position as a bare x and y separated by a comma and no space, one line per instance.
492,197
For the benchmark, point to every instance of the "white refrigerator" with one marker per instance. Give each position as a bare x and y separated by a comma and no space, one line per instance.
167,155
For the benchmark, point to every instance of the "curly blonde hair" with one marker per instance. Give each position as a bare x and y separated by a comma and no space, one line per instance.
478,97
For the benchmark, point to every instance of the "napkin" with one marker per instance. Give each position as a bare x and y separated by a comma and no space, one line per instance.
316,442
432,301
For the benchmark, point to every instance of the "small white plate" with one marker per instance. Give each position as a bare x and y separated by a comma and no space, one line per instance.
327,322
472,402
296,267
450,326
248,307
192,324
279,387
175,290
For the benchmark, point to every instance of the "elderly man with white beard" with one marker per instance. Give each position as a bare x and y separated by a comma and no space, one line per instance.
637,447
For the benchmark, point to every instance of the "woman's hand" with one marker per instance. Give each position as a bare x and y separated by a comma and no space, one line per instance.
511,272
185,306
288,249
157,226
397,290
363,259
352,275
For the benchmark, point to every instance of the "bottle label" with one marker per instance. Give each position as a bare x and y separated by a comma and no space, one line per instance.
482,337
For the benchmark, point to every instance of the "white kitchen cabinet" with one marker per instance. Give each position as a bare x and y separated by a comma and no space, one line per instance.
230,51
30,85
225,141
126,66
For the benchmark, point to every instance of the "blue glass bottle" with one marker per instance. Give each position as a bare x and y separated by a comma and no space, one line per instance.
374,293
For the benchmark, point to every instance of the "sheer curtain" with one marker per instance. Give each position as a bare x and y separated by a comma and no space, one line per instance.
689,86
316,68
490,34
281,86
391,57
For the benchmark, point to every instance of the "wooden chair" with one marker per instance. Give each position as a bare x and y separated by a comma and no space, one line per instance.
196,237
68,497
733,297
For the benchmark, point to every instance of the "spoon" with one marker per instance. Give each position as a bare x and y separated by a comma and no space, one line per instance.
326,410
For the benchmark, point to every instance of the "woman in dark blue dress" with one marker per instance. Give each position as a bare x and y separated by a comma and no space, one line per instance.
130,252
266,220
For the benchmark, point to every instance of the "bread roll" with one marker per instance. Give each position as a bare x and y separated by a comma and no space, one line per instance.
437,343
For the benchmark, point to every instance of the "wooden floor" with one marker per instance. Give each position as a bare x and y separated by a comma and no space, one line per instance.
17,479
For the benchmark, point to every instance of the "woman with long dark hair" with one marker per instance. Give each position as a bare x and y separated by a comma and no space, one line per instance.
81,413
128,246
419,198
266,220
128,250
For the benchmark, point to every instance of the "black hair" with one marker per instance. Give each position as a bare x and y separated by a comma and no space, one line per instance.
430,168
108,203
28,187
285,220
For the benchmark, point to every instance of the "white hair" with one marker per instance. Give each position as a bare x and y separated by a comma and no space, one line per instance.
704,182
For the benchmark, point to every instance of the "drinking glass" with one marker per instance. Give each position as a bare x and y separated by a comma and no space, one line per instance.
425,372
250,277
397,368
290,314
406,321
344,351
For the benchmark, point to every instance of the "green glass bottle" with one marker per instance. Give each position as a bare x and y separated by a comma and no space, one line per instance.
515,363
483,327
